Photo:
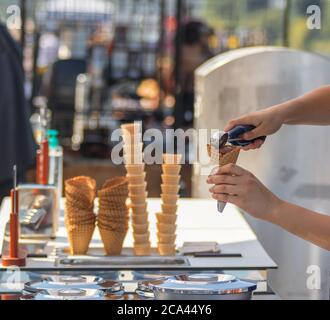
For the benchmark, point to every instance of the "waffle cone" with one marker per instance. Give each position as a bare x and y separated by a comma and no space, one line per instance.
79,237
223,159
112,241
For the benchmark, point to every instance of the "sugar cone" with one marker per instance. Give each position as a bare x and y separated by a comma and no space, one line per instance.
112,241
132,128
131,149
80,237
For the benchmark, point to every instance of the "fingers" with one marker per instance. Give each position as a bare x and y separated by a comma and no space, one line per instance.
255,145
229,169
226,198
256,133
239,121
224,189
223,179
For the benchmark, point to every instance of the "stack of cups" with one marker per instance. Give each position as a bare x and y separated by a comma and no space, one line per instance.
166,220
79,214
137,186
113,215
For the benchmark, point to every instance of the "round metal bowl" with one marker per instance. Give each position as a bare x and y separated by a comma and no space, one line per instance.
202,287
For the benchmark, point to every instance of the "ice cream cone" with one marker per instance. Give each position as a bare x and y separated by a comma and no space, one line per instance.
166,228
140,218
169,209
166,218
169,199
171,169
79,237
170,189
166,249
166,238
140,228
112,241
135,169
142,249
223,159
136,179
171,180
172,158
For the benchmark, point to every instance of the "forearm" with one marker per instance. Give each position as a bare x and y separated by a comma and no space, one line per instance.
310,109
306,224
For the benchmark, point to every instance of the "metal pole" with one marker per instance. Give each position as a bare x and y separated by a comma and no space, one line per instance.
178,112
161,48
286,23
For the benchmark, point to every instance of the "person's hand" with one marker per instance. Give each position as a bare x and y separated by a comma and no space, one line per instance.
267,122
232,184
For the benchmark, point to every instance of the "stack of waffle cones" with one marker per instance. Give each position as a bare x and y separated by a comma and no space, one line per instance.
166,220
137,186
79,213
113,215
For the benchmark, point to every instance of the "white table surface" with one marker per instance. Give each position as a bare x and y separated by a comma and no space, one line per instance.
198,220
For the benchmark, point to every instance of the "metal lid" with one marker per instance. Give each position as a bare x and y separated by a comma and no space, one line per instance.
210,284
72,282
66,294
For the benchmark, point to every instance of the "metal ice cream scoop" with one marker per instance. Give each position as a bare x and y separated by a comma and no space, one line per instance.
220,138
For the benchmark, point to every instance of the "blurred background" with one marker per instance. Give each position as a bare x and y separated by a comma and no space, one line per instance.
103,63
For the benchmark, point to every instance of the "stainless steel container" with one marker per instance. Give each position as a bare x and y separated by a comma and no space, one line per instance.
201,287
88,284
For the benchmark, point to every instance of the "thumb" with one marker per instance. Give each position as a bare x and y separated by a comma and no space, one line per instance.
236,122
